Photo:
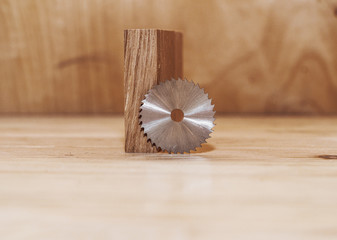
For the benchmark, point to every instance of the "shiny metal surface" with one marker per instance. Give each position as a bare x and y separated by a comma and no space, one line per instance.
171,129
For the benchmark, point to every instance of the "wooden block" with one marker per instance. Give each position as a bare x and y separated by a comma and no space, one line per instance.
150,56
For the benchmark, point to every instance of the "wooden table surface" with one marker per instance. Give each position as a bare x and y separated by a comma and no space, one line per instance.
257,178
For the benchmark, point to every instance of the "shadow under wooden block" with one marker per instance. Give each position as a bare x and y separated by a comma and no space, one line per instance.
150,56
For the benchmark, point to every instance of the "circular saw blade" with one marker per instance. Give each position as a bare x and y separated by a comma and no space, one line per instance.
177,116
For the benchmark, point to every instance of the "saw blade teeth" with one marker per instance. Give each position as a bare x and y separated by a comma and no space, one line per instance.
162,99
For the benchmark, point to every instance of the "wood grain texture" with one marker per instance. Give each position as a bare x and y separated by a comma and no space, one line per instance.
61,56
252,57
257,57
257,178
150,56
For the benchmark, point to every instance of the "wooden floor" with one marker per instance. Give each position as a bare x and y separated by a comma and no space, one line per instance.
257,178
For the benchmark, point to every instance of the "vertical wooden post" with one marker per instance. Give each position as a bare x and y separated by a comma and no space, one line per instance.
150,56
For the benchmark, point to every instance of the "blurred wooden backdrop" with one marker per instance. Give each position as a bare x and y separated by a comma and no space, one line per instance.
257,56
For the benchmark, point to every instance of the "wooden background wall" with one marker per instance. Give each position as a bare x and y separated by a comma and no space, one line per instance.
258,56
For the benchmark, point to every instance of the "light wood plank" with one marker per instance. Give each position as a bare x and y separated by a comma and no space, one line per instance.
257,178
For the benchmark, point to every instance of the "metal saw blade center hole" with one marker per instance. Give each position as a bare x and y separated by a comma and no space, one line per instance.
177,115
